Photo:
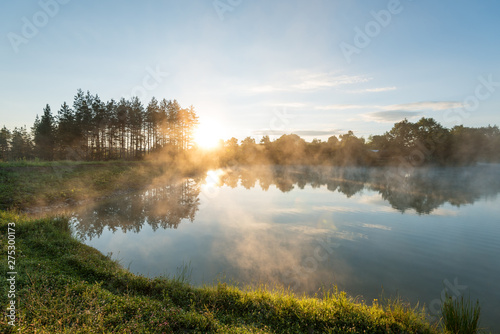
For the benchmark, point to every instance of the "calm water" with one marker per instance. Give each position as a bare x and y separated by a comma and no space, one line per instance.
418,233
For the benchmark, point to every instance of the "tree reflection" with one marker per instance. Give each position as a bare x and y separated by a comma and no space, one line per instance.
166,206
420,189
159,207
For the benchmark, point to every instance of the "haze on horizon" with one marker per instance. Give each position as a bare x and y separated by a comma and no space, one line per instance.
253,68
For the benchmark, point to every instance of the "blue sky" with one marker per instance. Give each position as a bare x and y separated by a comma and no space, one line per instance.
258,67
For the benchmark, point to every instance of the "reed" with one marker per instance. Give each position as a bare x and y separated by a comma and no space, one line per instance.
460,315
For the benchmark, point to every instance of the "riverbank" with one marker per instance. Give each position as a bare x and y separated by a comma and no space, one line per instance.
63,285
26,185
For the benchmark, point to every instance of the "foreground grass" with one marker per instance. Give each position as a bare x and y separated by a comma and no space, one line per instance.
65,286
460,315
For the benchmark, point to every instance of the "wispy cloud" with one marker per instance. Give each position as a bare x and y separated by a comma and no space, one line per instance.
426,105
288,105
314,81
372,90
379,227
394,112
413,106
281,211
270,132
342,107
390,116
304,81
267,89
444,212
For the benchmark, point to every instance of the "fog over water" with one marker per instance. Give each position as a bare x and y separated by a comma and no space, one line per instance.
416,232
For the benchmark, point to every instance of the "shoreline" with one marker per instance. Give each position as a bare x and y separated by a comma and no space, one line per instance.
51,259
84,290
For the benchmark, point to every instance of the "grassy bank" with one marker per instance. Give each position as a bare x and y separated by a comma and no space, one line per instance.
28,184
65,286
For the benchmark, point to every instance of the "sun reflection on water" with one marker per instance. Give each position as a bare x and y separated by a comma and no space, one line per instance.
212,181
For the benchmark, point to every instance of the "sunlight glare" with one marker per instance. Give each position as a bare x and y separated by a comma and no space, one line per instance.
208,134
212,182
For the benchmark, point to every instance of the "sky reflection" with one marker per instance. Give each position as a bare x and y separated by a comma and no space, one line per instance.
312,228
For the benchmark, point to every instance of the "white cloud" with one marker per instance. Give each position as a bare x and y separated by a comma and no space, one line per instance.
394,112
314,81
270,132
266,89
379,227
341,107
413,106
444,212
426,105
372,90
298,81
289,105
390,116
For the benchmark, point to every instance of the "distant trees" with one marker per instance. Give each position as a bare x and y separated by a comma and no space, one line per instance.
21,145
468,145
416,144
427,141
5,137
288,149
96,130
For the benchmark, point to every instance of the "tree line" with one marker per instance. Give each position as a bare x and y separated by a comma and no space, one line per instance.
412,144
96,130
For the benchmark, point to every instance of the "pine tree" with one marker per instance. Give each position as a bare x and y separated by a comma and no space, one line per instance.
136,117
112,128
5,138
44,135
21,144
150,121
99,125
66,134
122,122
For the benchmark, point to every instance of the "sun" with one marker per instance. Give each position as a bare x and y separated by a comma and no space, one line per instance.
208,134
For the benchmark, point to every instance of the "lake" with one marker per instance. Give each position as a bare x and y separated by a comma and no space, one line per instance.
419,233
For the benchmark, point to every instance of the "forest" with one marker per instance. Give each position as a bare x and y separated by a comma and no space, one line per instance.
94,130
425,142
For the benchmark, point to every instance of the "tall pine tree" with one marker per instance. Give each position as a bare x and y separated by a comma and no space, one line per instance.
44,135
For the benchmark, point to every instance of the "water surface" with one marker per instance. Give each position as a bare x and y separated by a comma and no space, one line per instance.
417,233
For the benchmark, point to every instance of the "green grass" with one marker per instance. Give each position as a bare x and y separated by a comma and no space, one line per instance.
64,286
460,315
30,184
42,163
